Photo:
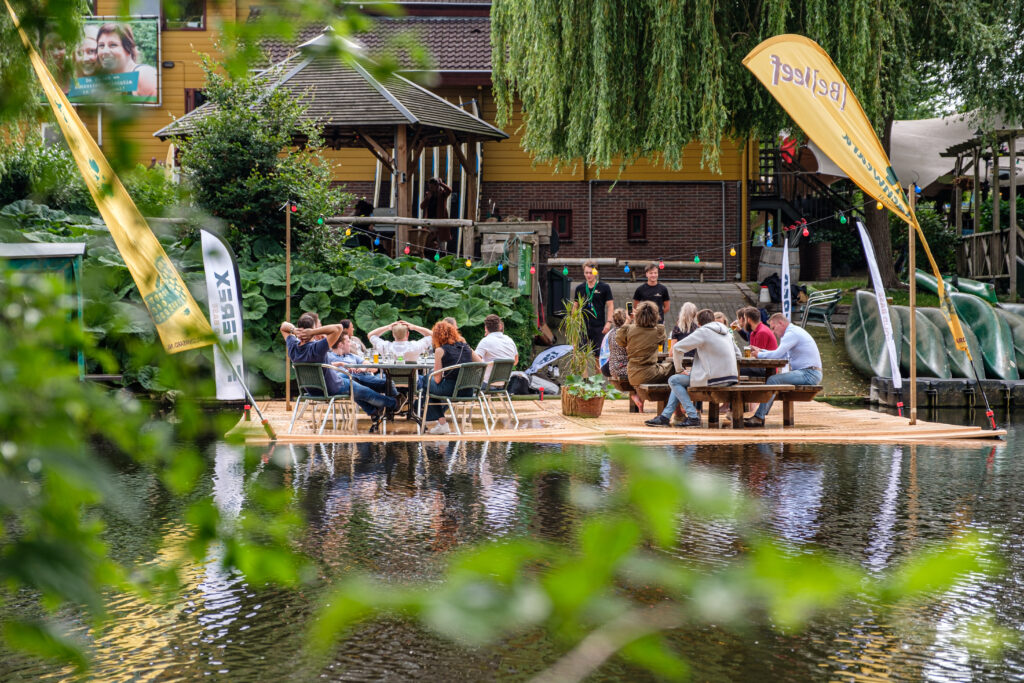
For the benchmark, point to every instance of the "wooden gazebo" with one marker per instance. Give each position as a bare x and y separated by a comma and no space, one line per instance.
354,109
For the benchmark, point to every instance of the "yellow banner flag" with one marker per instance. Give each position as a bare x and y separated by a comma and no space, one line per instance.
802,78
179,320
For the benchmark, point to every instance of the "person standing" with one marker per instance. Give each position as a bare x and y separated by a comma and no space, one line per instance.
652,291
796,345
597,306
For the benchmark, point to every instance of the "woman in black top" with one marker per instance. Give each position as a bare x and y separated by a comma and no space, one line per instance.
449,349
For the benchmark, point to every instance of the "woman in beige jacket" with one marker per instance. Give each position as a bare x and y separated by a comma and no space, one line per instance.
641,340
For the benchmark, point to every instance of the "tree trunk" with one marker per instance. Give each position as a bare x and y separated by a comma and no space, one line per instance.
877,225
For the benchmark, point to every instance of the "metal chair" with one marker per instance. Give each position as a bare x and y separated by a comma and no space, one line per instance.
497,385
820,306
467,393
313,389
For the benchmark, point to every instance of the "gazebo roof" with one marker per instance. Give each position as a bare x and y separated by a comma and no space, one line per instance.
347,102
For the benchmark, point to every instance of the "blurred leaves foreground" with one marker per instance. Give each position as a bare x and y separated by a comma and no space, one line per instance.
611,588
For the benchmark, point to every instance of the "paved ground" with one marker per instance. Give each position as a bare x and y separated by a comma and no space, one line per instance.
718,296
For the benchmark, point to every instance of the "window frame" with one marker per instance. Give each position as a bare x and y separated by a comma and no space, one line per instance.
632,214
553,215
191,95
165,27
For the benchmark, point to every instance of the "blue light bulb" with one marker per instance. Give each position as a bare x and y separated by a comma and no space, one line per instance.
376,241
501,267
626,269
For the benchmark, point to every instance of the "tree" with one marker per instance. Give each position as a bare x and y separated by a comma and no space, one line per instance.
601,80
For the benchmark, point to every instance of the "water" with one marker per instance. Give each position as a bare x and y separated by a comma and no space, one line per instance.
396,510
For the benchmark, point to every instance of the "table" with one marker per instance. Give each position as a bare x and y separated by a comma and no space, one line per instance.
411,370
751,363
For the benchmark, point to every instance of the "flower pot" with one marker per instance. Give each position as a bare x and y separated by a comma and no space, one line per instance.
574,406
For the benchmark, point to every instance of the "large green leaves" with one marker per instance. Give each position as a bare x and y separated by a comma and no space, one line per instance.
318,302
369,315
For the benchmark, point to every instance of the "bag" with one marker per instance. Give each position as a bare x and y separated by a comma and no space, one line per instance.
550,388
519,384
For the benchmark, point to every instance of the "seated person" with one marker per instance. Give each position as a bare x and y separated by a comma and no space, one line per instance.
450,349
342,356
495,344
795,345
759,335
713,365
616,360
303,348
357,345
641,339
401,346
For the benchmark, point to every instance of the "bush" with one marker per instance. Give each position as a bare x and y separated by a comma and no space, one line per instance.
941,238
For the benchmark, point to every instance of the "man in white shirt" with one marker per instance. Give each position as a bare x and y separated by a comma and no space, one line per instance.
495,344
795,345
401,346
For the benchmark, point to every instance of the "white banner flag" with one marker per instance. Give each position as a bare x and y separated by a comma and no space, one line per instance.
224,289
883,306
787,303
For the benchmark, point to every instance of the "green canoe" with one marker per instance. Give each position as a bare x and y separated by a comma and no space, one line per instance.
865,339
927,282
993,334
1016,325
1012,308
958,363
985,290
931,352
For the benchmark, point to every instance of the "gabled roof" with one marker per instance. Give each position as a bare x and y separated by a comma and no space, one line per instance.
344,99
455,43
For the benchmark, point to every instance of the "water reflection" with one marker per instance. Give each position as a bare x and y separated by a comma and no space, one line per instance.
397,510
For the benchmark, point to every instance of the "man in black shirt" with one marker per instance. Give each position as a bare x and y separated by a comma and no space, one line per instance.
653,292
598,305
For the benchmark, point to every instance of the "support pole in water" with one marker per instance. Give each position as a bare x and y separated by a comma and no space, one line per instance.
912,277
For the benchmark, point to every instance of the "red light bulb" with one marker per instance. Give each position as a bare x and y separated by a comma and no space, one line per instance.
807,233
406,250
533,270
661,265
294,207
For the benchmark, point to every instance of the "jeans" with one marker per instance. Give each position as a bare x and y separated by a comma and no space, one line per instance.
377,382
802,377
678,383
366,398
444,388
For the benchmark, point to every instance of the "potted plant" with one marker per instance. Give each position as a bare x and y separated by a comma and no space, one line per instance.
582,396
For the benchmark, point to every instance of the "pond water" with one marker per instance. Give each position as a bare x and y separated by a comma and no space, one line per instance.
395,510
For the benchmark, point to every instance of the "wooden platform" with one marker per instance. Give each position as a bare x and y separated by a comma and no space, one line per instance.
543,422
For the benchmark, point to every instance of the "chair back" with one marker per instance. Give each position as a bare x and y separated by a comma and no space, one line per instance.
310,378
471,376
501,370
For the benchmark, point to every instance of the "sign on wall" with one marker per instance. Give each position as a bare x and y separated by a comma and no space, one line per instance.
114,60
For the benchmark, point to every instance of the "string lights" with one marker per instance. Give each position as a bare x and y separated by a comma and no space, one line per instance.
626,267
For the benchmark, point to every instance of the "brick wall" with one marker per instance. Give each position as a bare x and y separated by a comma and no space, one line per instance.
360,189
683,219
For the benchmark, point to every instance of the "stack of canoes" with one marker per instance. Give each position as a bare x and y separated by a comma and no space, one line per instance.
994,334
985,290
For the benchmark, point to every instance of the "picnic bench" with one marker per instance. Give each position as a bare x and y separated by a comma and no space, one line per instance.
739,394
622,384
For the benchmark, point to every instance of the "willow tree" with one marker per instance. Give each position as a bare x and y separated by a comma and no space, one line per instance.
611,81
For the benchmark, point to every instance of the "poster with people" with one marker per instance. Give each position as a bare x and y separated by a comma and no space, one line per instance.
114,60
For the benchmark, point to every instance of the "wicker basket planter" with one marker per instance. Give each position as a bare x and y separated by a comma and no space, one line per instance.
573,406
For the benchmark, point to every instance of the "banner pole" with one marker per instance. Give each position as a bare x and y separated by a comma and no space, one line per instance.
267,427
912,277
288,298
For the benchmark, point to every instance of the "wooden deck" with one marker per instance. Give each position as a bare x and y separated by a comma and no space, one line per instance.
543,422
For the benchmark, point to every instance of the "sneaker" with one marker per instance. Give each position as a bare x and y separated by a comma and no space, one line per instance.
690,422
658,421
439,429
753,421
401,402
375,421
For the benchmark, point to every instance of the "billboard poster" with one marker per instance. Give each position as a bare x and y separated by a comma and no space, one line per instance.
114,60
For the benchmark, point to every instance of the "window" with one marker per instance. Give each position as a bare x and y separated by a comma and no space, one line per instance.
561,221
636,225
194,98
184,15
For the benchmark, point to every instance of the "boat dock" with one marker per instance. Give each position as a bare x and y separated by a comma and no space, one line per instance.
543,422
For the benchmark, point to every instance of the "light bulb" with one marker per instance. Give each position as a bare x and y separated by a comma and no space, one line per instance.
501,267
320,220
769,242
842,219
696,258
437,256
595,272
469,263
626,269
533,270
807,233
376,241
406,250
348,232
565,270
661,265
732,251
878,205
294,207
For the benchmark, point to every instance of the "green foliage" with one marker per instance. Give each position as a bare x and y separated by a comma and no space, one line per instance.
940,235
242,167
592,593
573,327
607,82
985,224
594,386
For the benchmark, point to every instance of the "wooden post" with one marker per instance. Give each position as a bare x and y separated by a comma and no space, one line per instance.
995,189
912,277
958,196
288,298
404,204
1013,217
744,211
976,194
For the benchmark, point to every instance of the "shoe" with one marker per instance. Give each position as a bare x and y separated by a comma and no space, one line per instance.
690,422
753,422
439,429
375,421
401,402
658,421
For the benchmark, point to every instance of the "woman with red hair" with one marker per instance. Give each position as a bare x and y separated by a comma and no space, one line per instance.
449,349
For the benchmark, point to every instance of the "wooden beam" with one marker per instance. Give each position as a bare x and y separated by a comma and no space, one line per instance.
404,204
457,149
395,220
1013,218
378,151
958,196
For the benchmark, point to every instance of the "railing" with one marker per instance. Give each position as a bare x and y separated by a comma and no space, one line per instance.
779,178
986,255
